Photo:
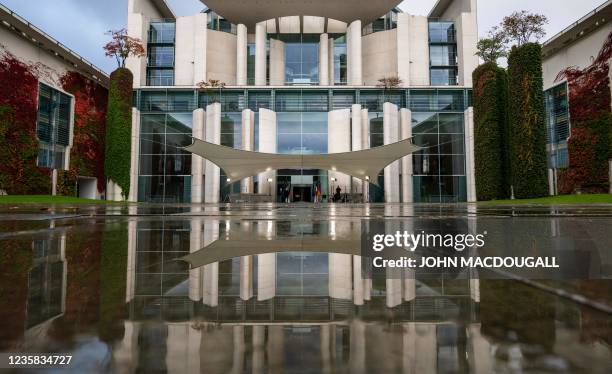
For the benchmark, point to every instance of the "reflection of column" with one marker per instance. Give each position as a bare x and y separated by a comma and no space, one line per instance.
259,339
194,339
391,135
266,264
210,272
267,144
248,139
425,342
340,266
241,55
365,139
277,62
135,156
357,347
408,348
213,135
195,244
177,345
406,133
275,348
356,141
260,54
130,283
324,60
469,155
325,348
246,277
358,294
479,351
125,354
339,140
354,59
197,162
239,349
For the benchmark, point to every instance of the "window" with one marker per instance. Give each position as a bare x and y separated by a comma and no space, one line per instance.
160,58
301,58
160,77
53,126
340,60
443,59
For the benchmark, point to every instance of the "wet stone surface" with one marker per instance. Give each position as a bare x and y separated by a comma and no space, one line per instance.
107,285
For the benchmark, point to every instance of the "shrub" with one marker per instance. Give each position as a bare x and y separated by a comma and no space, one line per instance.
527,130
119,129
490,132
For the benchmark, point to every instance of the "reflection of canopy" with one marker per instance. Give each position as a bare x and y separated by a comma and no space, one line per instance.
366,164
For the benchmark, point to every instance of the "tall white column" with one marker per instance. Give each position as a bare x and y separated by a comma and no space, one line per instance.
467,38
246,277
356,142
267,144
241,55
330,58
260,54
266,263
324,60
357,347
259,353
277,62
338,141
365,144
213,135
403,48
130,281
407,170
195,244
197,162
210,272
135,156
391,135
248,143
353,45
470,176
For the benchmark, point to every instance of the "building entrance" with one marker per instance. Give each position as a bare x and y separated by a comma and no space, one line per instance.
301,194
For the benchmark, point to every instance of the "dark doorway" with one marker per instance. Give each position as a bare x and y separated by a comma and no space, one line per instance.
302,194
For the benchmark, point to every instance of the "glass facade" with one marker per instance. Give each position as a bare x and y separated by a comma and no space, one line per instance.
340,59
301,58
443,53
557,125
160,53
302,128
52,126
386,22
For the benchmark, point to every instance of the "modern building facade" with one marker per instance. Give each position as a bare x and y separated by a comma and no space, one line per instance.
303,80
578,45
55,122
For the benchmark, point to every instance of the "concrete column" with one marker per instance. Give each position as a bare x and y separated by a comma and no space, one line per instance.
54,182
330,59
324,60
267,144
138,27
356,142
248,144
200,41
213,135
365,139
197,162
407,170
277,62
134,156
338,141
403,48
467,37
185,51
260,54
195,244
391,135
353,46
419,51
130,281
241,55
470,177
210,272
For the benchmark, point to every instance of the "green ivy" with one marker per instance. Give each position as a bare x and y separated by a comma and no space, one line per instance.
527,126
490,132
119,129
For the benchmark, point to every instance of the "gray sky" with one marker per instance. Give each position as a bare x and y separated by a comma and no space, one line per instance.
80,24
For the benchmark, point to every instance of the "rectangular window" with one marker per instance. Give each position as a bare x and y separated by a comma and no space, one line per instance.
160,58
443,58
53,126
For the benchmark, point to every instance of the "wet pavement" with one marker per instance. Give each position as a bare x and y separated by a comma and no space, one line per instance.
278,288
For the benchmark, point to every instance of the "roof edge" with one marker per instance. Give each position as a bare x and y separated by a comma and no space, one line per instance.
164,8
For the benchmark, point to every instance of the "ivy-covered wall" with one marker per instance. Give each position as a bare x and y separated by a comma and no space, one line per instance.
119,129
491,132
527,128
87,152
18,142
590,142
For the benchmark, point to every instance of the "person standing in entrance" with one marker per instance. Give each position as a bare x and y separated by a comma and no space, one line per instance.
337,195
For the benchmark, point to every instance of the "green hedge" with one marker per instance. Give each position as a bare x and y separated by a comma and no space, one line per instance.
490,132
527,127
119,129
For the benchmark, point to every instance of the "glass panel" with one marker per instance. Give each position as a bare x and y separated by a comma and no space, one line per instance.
314,144
152,123
451,123
162,32
423,123
161,56
442,32
179,123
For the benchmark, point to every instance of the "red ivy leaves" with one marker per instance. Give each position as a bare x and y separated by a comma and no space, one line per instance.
123,46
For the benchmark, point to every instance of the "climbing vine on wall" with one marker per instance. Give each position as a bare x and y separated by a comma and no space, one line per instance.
590,142
18,142
87,152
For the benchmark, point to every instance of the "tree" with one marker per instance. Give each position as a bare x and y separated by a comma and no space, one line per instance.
493,47
123,46
211,87
523,26
389,82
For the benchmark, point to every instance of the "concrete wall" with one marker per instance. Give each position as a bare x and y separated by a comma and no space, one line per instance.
144,7
267,144
418,51
403,47
137,27
338,141
189,57
379,53
221,56
580,53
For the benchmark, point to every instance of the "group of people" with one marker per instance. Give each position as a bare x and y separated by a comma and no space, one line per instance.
317,193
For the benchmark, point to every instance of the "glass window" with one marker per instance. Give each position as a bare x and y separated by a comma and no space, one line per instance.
423,123
340,60
179,123
451,123
53,126
443,77
162,32
443,55
442,32
161,56
160,77
301,58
